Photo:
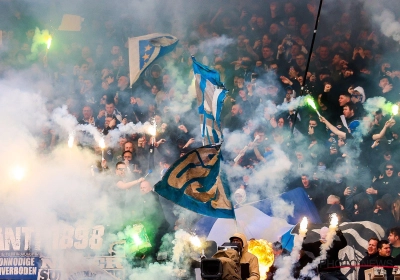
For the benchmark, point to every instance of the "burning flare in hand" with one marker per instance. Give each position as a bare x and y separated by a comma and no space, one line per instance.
303,226
334,222
71,140
18,173
311,102
48,42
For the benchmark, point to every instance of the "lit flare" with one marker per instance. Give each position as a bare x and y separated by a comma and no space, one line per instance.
71,140
303,226
395,109
195,241
102,144
18,173
334,222
311,102
48,42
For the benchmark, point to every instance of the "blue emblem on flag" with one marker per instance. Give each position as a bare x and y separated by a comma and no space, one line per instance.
144,50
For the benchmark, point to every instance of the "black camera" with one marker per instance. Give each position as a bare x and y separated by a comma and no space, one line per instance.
224,263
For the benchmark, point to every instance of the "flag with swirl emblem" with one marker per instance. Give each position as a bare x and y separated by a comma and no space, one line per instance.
144,50
195,182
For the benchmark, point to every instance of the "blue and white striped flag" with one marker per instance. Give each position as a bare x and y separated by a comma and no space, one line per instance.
144,50
211,93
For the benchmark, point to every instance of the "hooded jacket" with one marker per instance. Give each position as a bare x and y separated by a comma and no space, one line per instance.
249,258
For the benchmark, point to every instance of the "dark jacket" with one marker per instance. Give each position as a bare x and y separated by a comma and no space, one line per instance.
366,263
331,263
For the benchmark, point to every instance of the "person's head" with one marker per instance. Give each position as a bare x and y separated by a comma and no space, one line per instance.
299,155
387,156
110,107
166,80
145,187
115,50
260,133
389,169
305,29
242,94
396,209
373,245
260,21
313,123
289,8
383,248
128,146
394,235
292,23
107,121
300,59
333,199
236,110
267,52
277,248
348,110
87,112
323,52
358,95
127,155
383,82
240,196
88,84
381,204
281,122
120,168
344,98
156,71
123,82
305,181
341,142
274,29
265,40
103,98
323,233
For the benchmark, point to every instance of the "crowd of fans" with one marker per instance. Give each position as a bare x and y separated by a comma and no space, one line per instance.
260,50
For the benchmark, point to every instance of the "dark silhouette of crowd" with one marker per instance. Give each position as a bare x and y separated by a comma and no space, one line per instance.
348,165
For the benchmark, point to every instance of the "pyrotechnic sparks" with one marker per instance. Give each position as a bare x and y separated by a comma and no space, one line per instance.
311,102
152,129
334,222
18,173
48,42
195,241
102,144
303,226
395,109
71,140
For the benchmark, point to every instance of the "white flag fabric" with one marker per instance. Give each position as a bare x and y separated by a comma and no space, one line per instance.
144,50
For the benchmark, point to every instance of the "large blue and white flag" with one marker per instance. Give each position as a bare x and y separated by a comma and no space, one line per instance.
144,50
256,220
210,92
194,182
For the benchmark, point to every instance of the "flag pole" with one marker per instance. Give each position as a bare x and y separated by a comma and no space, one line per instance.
308,61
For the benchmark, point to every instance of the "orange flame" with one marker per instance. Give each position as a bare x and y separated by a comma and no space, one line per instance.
262,249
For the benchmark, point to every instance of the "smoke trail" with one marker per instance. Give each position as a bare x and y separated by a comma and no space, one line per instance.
39,43
389,26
